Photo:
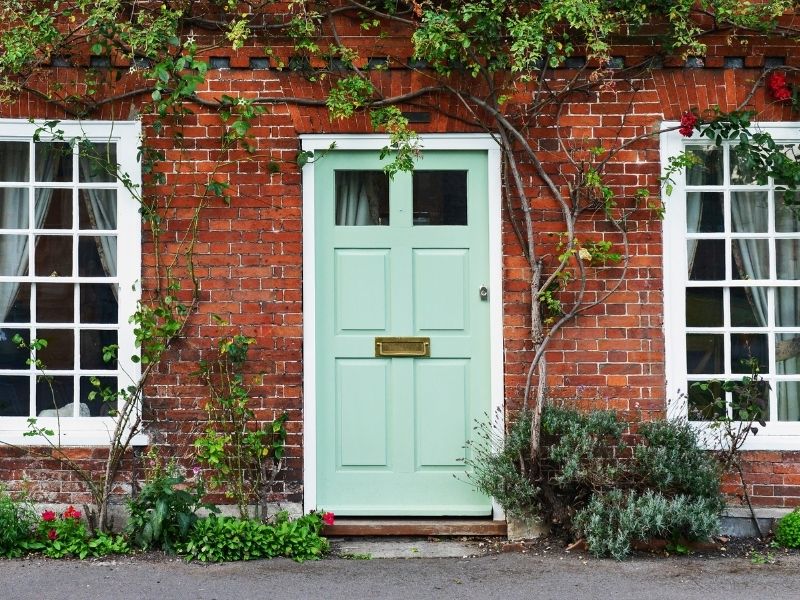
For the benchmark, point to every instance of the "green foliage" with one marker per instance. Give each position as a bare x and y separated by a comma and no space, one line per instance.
163,512
17,522
787,530
613,520
245,455
217,539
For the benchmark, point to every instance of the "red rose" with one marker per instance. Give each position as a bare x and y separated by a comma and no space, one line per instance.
328,518
48,516
688,122
778,86
52,534
71,513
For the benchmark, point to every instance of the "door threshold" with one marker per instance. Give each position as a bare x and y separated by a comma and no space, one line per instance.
415,526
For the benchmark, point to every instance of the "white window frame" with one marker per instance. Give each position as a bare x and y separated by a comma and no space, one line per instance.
93,431
777,435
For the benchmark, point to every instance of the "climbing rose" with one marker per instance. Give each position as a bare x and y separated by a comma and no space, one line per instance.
71,513
52,534
48,515
688,121
778,87
328,518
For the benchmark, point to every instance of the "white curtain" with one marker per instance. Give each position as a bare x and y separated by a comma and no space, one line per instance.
788,313
357,198
749,214
103,215
694,212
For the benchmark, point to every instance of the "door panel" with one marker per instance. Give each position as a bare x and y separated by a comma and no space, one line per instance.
391,432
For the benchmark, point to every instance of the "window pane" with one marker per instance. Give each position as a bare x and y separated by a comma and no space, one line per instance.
704,353
60,351
440,197
750,259
756,402
792,151
747,346
708,171
55,302
53,161
704,307
787,306
743,172
97,209
16,297
788,400
57,208
98,162
704,212
14,161
13,208
98,303
14,396
97,256
750,212
787,220
748,307
98,405
14,246
92,344
11,356
362,198
706,260
706,404
787,259
787,353
54,394
53,256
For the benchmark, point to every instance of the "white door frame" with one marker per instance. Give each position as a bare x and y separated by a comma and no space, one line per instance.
456,141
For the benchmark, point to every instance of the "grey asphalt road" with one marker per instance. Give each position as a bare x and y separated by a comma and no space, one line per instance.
506,576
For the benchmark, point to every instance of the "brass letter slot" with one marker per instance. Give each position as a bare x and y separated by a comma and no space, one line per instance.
402,346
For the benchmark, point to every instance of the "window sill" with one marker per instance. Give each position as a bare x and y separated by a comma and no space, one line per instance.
775,436
70,433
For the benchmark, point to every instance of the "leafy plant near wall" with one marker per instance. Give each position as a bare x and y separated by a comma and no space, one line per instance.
787,530
244,455
17,522
494,59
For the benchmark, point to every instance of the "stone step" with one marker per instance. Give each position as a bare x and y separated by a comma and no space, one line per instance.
361,526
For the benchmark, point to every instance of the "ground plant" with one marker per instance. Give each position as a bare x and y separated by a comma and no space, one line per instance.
17,524
787,530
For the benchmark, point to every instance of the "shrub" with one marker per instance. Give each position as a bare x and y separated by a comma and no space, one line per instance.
217,539
787,530
17,522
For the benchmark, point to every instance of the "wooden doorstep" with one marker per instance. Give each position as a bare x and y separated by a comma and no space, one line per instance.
354,526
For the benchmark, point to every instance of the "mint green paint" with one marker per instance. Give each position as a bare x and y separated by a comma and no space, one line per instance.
391,431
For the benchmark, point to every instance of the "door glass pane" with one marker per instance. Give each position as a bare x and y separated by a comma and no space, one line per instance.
98,162
98,303
749,212
54,394
53,256
704,307
747,346
748,307
440,197
750,259
60,350
14,161
704,353
788,400
97,396
705,404
787,307
708,170
97,209
706,260
13,207
57,208
787,261
14,394
362,198
54,303
53,161
17,246
704,212
97,256
16,298
11,355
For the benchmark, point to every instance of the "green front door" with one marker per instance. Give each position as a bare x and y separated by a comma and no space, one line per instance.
406,257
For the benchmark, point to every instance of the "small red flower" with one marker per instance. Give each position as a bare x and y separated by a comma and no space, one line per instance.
52,534
688,122
328,518
48,516
778,86
71,513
